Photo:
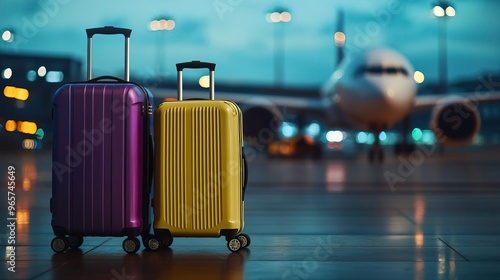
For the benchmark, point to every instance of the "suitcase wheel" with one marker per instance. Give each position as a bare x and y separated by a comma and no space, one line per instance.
167,240
152,243
244,240
75,241
59,244
131,245
234,244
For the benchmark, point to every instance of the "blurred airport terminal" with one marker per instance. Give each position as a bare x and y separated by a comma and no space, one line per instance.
28,83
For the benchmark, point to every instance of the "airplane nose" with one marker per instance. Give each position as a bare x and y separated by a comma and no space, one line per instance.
394,98
378,101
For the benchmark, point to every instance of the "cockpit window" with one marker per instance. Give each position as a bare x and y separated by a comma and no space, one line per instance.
379,70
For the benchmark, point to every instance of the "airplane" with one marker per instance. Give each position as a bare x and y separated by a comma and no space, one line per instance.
371,92
377,90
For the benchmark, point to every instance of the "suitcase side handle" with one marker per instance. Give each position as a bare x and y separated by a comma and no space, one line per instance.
108,30
195,65
245,178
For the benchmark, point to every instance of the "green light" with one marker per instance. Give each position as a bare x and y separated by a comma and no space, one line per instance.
416,134
40,134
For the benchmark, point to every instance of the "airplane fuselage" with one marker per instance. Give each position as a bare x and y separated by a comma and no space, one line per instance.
376,89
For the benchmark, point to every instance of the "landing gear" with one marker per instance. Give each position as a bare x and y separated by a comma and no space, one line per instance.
376,153
404,147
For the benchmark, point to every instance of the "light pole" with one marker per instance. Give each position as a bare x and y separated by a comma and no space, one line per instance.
339,38
161,25
442,10
278,16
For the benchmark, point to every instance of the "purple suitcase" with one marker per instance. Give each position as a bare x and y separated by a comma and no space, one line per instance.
102,157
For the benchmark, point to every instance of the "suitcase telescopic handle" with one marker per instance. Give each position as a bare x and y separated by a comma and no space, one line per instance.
108,30
196,65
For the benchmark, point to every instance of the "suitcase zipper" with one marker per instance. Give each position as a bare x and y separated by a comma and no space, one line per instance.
150,109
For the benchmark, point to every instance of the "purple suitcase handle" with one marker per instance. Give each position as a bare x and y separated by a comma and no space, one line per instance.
108,30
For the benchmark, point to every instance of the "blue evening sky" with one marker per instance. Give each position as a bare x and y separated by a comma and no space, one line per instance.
235,35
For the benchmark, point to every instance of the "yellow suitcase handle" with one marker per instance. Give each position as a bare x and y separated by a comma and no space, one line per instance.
195,64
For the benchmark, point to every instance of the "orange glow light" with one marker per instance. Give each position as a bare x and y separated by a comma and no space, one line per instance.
28,127
26,184
19,124
10,125
419,238
28,144
9,91
23,217
339,38
22,94
285,149
309,139
15,92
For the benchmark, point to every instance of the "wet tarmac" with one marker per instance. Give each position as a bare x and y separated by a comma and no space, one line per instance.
427,216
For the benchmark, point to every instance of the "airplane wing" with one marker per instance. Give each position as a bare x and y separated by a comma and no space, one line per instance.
429,101
296,99
308,103
282,102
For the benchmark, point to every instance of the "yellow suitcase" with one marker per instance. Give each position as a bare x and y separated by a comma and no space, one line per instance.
200,169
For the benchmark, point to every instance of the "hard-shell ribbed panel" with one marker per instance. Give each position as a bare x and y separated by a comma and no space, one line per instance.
176,203
206,168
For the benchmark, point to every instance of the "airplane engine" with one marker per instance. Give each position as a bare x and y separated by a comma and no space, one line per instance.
455,121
